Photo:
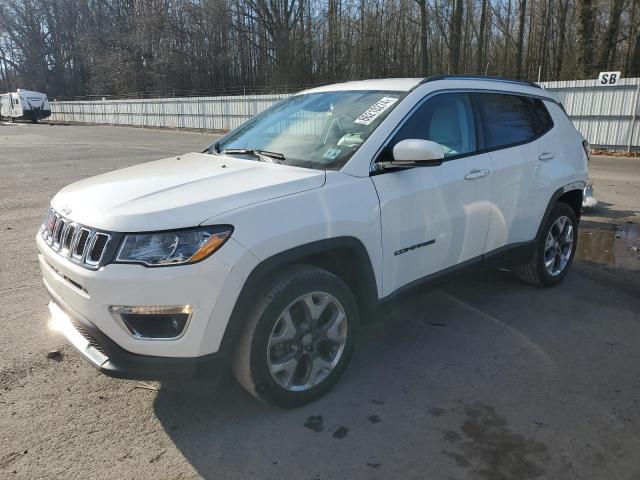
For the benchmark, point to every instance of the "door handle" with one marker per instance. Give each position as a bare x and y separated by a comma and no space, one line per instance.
546,156
476,173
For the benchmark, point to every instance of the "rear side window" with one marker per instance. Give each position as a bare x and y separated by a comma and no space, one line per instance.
507,119
543,121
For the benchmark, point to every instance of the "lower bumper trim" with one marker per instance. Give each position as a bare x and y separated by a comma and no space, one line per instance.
114,361
62,323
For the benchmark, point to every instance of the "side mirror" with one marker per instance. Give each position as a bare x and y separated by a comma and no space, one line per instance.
417,151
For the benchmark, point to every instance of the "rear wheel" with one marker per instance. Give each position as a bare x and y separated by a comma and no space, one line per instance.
555,249
299,339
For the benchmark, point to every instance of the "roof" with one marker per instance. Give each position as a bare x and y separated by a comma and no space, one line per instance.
482,78
391,84
451,81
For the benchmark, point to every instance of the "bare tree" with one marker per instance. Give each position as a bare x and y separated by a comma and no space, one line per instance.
522,16
563,8
456,36
611,36
586,25
176,47
424,54
635,58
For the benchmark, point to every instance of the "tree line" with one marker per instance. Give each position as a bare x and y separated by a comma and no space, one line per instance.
73,48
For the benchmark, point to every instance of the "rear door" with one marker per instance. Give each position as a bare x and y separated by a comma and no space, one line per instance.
518,131
435,217
16,106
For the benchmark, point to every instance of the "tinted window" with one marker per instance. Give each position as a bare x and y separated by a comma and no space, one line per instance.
446,119
507,119
543,120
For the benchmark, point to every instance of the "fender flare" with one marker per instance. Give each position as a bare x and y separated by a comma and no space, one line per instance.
554,198
366,293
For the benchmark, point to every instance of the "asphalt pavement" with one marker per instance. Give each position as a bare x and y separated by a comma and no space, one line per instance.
485,378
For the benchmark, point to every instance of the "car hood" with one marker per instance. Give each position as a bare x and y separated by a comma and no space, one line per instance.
178,192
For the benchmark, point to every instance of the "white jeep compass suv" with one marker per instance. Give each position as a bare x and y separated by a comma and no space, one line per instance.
273,245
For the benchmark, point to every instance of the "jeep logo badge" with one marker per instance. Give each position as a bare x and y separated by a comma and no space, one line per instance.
66,210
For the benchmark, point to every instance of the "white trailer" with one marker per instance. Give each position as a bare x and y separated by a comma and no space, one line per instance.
24,104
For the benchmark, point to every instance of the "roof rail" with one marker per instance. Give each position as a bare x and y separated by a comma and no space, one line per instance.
480,77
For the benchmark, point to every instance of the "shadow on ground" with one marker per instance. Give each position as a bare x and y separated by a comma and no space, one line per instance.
481,379
609,210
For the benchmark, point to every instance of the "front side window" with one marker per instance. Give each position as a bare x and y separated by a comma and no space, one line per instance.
446,119
316,130
507,119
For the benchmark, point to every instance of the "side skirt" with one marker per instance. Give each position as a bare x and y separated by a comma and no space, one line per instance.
503,256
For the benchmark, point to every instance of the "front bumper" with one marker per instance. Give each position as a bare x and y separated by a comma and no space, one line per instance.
114,361
90,293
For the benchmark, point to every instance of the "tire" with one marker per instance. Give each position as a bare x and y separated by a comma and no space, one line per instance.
295,350
537,271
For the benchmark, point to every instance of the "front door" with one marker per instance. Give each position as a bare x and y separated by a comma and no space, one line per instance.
435,217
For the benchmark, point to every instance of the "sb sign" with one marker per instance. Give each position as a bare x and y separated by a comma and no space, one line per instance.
608,79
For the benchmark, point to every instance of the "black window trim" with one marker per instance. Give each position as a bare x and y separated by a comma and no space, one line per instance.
477,117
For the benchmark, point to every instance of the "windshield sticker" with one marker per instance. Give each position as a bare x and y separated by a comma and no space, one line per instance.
375,110
332,153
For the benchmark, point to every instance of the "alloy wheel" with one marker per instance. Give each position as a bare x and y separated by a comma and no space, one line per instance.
559,246
307,341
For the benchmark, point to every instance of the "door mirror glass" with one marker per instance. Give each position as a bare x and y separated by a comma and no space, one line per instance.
414,150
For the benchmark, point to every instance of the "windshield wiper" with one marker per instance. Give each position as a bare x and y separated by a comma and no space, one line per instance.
262,155
212,149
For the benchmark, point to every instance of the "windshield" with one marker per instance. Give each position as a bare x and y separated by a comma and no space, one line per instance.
316,130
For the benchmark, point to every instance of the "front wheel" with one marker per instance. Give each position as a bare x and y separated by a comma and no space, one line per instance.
555,249
299,339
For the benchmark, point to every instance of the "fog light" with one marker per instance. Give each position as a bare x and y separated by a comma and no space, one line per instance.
153,322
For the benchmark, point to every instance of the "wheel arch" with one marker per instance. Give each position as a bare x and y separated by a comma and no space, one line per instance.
569,194
345,257
573,198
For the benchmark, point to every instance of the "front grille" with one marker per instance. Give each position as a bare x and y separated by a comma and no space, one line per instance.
79,243
68,236
98,244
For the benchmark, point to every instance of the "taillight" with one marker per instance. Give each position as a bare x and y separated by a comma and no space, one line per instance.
587,149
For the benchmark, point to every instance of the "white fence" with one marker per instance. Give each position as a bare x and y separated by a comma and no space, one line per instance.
207,113
606,116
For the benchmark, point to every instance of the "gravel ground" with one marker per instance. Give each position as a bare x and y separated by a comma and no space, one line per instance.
486,378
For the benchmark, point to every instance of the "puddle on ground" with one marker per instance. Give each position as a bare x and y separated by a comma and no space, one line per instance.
598,245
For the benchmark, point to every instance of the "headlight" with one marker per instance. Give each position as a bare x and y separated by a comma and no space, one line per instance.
178,247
